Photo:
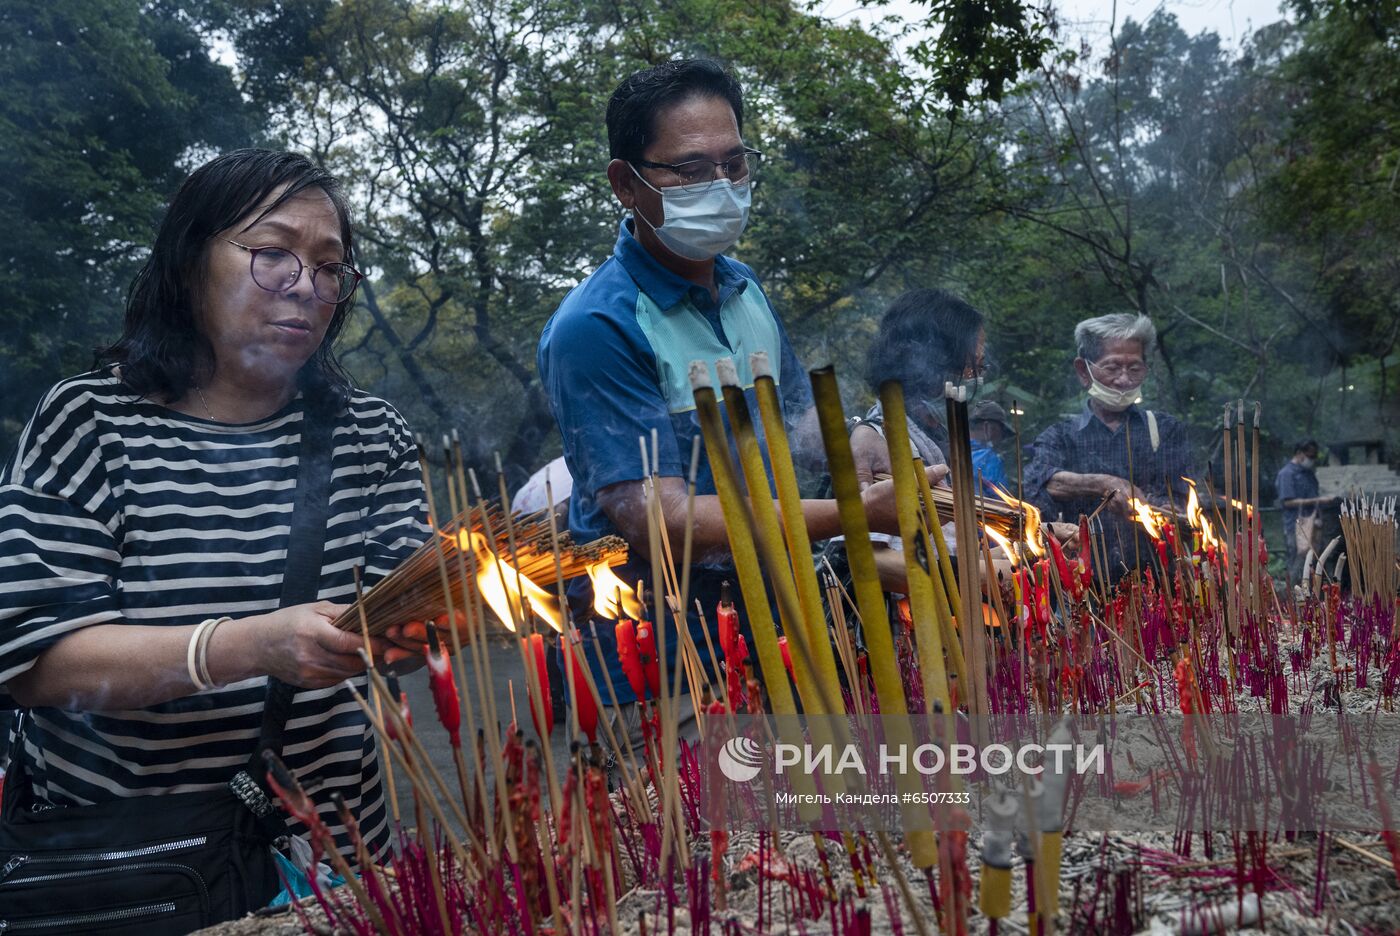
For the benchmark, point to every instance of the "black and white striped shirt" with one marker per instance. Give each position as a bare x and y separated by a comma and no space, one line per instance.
114,509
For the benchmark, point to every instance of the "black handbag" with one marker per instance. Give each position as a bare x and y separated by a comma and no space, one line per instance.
166,864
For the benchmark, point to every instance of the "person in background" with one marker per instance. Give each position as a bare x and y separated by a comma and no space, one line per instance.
927,338
989,427
1113,449
614,358
1298,495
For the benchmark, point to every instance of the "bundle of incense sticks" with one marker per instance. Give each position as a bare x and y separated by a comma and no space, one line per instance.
1369,525
414,592
1004,514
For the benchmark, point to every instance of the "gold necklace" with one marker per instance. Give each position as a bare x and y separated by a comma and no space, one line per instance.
207,411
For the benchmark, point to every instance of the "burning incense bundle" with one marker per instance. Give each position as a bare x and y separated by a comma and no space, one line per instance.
413,591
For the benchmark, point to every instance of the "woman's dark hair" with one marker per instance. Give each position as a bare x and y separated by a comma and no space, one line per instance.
636,102
161,348
927,337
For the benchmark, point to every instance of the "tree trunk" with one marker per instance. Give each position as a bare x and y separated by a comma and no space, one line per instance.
410,364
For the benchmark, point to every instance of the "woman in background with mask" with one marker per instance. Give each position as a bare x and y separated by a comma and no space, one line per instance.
927,338
1113,448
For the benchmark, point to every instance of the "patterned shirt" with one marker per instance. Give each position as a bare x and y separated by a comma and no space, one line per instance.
1084,444
115,510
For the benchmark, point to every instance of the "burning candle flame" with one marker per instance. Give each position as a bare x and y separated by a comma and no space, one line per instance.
1005,545
497,581
607,588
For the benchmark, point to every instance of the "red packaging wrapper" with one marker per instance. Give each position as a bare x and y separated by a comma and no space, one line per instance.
537,657
630,657
444,688
646,650
584,703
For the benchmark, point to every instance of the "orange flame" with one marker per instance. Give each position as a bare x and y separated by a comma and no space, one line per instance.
1197,517
1032,514
607,588
1005,545
497,580
1152,520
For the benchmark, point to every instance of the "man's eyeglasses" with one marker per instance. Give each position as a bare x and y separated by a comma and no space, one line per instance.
276,269
1136,371
696,175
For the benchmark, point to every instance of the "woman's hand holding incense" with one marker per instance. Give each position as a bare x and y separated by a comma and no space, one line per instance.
299,645
879,502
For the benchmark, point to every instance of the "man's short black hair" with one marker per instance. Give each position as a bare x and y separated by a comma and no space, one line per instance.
1304,445
643,95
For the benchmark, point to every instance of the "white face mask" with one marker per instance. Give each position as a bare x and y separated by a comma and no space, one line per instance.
1308,463
700,225
1115,401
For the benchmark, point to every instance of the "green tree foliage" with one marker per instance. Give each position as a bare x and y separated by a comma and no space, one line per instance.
105,106
1245,198
977,49
475,141
1335,193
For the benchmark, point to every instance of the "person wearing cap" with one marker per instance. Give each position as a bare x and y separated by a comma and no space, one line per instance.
988,426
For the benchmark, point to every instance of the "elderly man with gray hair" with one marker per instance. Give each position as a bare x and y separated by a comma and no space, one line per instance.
1113,448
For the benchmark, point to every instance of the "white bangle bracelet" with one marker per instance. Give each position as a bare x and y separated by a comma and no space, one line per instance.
202,653
191,653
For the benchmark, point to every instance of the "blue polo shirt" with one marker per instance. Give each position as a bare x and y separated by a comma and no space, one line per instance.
614,359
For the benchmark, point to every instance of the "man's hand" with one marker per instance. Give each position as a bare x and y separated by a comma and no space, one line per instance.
405,642
1122,494
879,503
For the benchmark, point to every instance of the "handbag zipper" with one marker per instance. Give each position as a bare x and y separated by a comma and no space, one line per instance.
89,919
18,861
140,866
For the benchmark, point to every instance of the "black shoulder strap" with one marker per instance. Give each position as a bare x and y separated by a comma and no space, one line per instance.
302,578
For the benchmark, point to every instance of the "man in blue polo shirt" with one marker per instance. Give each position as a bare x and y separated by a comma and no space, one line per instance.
614,357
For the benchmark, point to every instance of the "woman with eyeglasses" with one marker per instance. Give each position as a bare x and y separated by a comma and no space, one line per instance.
144,616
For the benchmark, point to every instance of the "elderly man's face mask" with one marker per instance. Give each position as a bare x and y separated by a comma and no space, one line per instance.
1116,386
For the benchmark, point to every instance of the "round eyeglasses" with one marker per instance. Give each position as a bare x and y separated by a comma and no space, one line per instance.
276,269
